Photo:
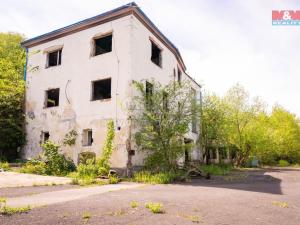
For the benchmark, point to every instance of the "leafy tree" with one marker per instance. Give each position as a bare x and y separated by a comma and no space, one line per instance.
12,59
212,117
162,116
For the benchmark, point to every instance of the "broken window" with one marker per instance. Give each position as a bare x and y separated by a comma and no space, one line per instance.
45,136
179,75
87,137
149,93
165,101
102,45
156,54
52,98
54,58
101,89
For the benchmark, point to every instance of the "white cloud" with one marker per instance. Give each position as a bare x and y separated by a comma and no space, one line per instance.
222,42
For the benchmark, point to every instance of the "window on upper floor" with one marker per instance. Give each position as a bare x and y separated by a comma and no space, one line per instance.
101,89
102,45
54,58
52,98
179,75
87,137
156,56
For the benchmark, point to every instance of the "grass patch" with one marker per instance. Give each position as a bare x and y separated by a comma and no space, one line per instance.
280,204
155,207
216,170
134,204
156,178
7,210
86,215
192,218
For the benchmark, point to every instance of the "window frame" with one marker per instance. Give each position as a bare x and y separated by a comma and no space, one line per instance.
93,52
153,43
58,60
92,90
46,98
86,142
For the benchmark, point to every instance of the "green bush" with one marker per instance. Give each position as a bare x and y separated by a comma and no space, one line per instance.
56,163
283,163
34,167
113,179
88,170
155,178
217,170
4,166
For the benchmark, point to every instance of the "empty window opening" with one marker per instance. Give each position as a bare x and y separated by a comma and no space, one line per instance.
149,93
156,54
54,58
101,89
52,98
87,137
45,136
103,45
165,101
179,74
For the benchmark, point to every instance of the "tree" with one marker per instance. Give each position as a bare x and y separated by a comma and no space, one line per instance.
12,59
240,112
162,116
212,118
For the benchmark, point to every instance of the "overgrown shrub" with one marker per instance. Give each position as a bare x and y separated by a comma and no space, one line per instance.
155,207
283,163
217,170
87,170
34,167
103,161
156,178
4,166
56,163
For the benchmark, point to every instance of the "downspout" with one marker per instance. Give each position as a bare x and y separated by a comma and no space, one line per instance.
25,65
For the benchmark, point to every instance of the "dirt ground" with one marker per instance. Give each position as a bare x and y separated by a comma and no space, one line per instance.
270,196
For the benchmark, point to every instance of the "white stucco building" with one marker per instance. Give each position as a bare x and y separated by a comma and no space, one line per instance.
78,77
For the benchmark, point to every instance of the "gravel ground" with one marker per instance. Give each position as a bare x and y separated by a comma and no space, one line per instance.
259,197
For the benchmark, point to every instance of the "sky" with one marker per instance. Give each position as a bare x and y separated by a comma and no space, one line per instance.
222,42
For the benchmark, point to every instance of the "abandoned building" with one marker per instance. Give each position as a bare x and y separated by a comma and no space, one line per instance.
79,77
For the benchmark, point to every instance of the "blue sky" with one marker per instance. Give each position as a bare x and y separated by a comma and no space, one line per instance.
222,42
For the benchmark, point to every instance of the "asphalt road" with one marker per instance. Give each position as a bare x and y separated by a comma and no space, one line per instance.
254,197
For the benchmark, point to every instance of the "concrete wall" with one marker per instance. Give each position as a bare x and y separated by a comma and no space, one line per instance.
129,60
74,77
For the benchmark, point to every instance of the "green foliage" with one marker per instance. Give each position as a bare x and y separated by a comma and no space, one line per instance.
85,156
283,163
134,204
88,170
155,207
242,125
113,179
12,59
4,166
34,167
162,117
103,161
56,163
7,210
70,138
217,170
156,178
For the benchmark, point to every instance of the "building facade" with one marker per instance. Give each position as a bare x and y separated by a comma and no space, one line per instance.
79,77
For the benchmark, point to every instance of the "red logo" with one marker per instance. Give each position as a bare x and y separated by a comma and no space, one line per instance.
285,15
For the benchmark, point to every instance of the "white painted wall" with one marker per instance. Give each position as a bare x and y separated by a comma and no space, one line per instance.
129,60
